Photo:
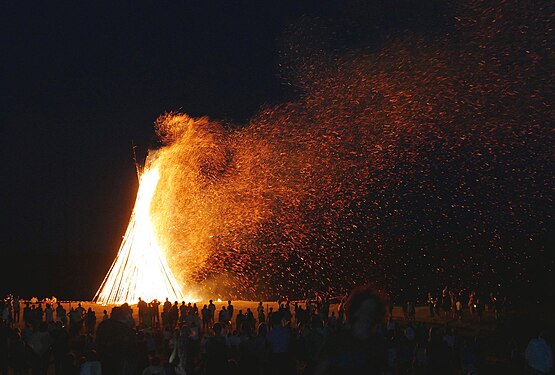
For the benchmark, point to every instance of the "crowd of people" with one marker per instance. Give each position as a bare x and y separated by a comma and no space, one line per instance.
359,335
452,303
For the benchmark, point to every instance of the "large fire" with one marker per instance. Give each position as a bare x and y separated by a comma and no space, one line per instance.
140,269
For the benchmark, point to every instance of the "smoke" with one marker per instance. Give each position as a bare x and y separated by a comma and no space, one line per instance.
425,156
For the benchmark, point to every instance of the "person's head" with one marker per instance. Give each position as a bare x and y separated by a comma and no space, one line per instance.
365,309
262,329
91,355
317,322
217,329
43,327
229,302
210,301
276,320
246,328
434,335
155,360
117,313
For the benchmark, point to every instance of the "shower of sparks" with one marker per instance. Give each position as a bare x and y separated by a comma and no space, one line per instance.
426,161
140,269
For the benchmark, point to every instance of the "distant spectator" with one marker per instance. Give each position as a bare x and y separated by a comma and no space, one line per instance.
539,355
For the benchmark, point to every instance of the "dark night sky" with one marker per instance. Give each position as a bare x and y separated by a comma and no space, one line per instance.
83,82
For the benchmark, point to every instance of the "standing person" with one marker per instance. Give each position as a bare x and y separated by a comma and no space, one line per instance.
341,311
61,314
174,314
280,339
205,319
155,367
249,318
261,315
212,311
230,309
49,314
6,310
239,320
18,353
27,314
471,302
80,316
39,312
116,343
183,311
90,321
41,344
357,349
16,309
223,317
195,309
92,365
259,310
453,301
539,355
216,352
431,304
142,307
479,307
459,309
166,309
155,312
445,301
73,322
411,310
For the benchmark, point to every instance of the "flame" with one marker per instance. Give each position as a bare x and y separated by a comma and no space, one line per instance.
140,269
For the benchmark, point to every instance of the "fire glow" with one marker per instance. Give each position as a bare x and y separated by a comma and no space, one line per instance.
140,268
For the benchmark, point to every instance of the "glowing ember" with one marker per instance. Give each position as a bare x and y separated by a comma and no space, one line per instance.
140,269
427,160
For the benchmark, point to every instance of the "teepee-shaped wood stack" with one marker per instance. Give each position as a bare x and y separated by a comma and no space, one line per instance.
140,269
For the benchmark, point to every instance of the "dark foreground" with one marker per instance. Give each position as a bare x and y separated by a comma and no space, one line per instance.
301,339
